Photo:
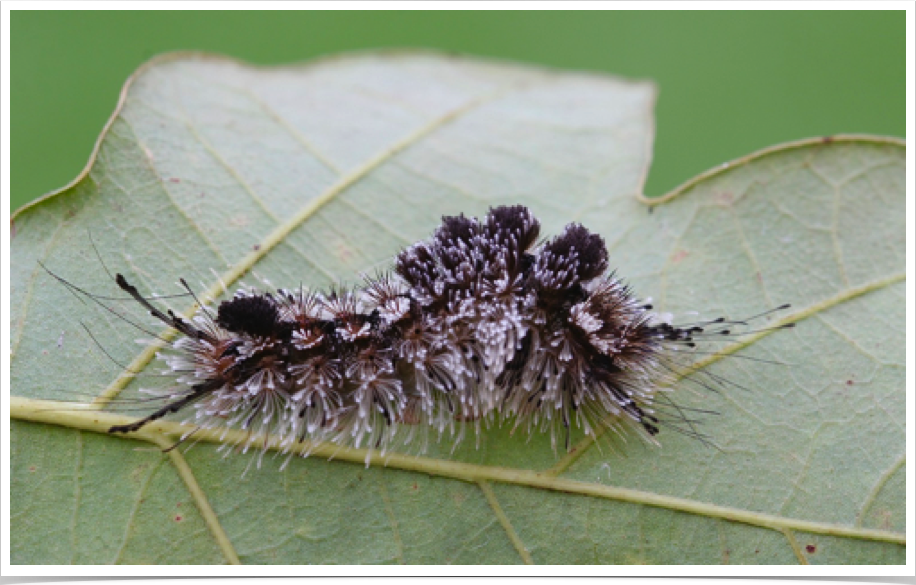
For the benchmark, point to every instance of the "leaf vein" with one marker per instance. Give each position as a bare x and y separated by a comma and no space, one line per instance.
793,544
504,521
200,499
128,524
879,485
37,411
289,128
392,520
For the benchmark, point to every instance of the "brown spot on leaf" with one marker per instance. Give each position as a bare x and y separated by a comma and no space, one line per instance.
725,198
174,180
344,252
811,549
827,139
178,518
240,220
679,255
849,382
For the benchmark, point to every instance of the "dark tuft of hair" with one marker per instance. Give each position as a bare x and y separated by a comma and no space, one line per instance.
588,249
456,228
255,315
516,220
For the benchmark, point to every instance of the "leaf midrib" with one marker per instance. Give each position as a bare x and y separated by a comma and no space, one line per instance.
45,411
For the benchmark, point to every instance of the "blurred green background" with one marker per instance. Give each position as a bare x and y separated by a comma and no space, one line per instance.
730,82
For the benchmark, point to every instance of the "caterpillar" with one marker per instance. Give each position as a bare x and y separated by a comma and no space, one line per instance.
482,323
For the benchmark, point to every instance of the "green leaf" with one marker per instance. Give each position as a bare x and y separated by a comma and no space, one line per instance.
210,169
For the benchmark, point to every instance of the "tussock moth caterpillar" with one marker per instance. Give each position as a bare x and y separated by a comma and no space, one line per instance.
480,324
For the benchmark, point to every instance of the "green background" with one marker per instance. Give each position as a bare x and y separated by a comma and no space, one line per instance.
730,82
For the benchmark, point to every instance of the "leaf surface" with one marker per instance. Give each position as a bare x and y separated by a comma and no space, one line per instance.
212,169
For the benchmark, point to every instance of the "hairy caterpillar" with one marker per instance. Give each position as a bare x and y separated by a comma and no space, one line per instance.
480,324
